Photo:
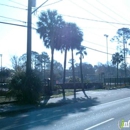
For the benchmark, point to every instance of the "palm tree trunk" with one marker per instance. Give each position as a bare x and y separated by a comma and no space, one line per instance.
73,71
44,71
41,63
81,72
117,73
51,72
64,74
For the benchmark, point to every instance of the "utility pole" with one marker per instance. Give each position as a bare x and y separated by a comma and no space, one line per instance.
29,17
1,62
31,3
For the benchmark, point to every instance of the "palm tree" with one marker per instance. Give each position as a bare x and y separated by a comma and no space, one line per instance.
116,60
71,39
49,25
76,38
123,37
82,52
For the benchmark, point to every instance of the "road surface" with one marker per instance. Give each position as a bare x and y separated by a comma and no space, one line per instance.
96,113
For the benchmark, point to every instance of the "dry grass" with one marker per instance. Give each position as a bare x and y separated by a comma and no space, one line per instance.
4,99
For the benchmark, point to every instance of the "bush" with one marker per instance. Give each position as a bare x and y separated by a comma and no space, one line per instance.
77,79
25,89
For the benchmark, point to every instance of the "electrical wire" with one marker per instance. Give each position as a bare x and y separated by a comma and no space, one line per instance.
84,9
93,20
97,44
15,24
100,10
52,3
17,3
112,11
98,50
12,6
13,19
90,12
39,7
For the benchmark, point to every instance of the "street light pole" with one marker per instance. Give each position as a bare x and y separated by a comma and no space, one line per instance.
106,46
107,52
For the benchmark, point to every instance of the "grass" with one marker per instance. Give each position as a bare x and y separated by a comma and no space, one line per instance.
67,93
116,87
96,90
3,99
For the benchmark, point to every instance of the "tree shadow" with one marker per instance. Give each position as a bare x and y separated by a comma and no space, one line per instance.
50,113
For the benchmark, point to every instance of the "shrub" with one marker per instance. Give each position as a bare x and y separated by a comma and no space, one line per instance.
25,89
77,79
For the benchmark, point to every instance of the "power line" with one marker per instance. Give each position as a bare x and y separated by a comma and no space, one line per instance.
13,19
88,11
112,11
84,9
39,7
52,3
93,20
15,24
98,50
12,6
18,3
100,10
97,44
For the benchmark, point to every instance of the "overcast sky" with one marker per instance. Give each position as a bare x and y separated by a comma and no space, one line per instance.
94,17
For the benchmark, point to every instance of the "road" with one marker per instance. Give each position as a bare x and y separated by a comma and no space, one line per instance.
102,111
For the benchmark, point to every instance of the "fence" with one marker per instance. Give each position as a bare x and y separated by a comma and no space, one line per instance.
79,86
115,81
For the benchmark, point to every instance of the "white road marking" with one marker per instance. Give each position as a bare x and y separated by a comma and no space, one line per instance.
99,124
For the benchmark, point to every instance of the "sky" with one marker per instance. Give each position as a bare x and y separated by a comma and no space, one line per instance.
94,17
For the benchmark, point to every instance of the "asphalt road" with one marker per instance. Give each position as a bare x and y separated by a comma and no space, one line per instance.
104,110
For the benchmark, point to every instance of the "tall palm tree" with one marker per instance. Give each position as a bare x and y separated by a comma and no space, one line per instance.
49,25
116,60
82,52
71,39
76,37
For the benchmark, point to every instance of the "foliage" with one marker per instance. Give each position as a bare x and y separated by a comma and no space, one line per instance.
49,26
42,60
122,37
77,79
25,89
5,74
81,52
117,58
58,70
57,87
